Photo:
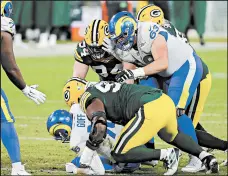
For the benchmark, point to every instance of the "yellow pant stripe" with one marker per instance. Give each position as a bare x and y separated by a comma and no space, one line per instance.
5,110
205,86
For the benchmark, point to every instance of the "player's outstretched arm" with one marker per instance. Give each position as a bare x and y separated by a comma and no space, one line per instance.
96,113
8,61
13,72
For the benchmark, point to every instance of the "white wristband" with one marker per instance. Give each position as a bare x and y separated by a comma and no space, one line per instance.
26,89
139,72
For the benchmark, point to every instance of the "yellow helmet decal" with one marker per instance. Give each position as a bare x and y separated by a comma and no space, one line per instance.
73,90
122,20
151,13
96,32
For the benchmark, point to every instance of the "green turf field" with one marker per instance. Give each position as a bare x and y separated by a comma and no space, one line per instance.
44,156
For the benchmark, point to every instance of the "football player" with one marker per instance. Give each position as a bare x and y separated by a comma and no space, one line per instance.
89,53
194,109
75,128
8,132
138,109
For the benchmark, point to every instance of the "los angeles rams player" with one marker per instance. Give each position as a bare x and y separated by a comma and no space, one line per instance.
138,114
8,132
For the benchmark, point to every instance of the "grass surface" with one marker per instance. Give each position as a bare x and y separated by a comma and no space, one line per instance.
44,156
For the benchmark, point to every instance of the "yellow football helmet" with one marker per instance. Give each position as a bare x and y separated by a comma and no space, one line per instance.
151,13
6,8
73,90
94,36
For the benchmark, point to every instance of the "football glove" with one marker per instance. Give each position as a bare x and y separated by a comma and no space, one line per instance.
124,75
108,46
35,95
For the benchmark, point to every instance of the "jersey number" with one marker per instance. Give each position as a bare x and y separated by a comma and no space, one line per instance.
153,32
105,87
102,70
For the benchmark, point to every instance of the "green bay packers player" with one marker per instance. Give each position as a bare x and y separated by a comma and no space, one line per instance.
138,109
8,132
195,108
89,53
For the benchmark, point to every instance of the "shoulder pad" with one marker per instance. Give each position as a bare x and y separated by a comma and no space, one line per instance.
147,33
7,25
80,51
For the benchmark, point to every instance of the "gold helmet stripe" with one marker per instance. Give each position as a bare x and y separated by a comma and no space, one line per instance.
141,10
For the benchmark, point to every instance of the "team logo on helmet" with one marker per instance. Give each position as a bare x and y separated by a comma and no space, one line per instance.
67,95
155,13
106,30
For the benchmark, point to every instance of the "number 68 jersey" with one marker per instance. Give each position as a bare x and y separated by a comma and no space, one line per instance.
106,68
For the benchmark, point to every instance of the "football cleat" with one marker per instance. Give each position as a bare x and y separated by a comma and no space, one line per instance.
19,171
194,165
211,164
171,161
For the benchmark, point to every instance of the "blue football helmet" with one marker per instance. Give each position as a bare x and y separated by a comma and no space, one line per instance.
122,27
6,9
59,125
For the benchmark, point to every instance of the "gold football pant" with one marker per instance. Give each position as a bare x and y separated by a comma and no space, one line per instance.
196,106
149,120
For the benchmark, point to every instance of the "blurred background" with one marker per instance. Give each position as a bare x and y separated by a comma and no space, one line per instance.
46,22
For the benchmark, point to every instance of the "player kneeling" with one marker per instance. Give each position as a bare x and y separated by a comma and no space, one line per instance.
144,112
75,128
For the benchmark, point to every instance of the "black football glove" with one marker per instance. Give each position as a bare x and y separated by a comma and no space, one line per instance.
124,75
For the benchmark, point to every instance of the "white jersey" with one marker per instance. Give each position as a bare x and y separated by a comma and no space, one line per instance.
7,25
178,51
81,129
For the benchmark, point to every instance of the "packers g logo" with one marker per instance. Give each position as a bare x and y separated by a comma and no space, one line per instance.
106,32
67,95
155,13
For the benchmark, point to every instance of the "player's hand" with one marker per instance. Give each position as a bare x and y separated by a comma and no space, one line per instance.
108,46
180,112
35,95
124,75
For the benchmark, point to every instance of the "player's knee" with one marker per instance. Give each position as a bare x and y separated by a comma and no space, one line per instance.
166,135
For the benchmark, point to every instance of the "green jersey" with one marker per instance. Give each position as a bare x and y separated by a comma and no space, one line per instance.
106,68
173,31
121,101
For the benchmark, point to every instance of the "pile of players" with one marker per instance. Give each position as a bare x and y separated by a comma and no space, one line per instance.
151,82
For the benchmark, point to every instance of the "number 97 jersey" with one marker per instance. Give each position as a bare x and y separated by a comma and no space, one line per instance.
106,68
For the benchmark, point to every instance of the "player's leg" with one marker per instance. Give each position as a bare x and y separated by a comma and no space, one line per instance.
9,137
194,111
130,147
182,86
148,121
150,81
182,141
